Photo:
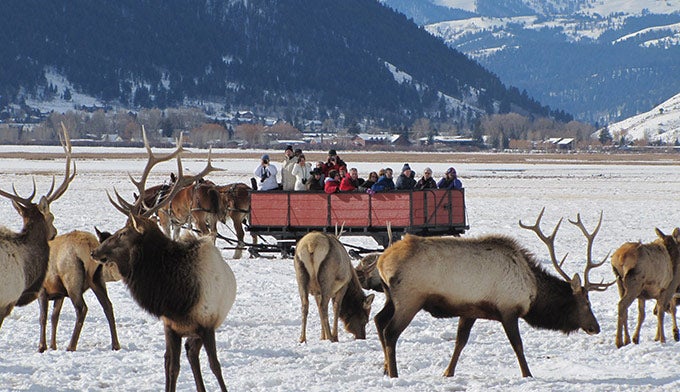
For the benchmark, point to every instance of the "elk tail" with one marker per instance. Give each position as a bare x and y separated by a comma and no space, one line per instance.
317,250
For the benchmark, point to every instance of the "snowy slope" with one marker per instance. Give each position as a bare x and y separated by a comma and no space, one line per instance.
661,123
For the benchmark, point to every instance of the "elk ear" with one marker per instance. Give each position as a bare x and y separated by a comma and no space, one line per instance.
576,284
368,301
676,233
659,233
43,205
18,207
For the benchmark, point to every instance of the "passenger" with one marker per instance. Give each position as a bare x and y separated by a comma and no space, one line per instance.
332,182
321,165
287,177
384,183
372,179
333,162
450,180
266,172
426,181
298,152
316,182
351,181
302,172
405,181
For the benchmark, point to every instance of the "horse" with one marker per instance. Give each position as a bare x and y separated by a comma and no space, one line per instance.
236,200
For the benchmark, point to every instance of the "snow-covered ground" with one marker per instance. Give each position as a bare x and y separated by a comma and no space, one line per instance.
257,344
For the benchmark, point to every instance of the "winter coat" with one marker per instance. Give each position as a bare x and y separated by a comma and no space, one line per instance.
450,184
349,185
266,177
383,184
430,183
302,175
331,185
287,176
405,183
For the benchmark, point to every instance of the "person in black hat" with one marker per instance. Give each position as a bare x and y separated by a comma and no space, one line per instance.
333,162
406,180
316,182
265,175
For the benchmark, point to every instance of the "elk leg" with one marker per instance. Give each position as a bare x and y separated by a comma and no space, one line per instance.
56,310
464,327
511,327
303,282
173,348
661,307
193,348
640,319
381,319
4,311
211,350
43,302
673,310
622,322
322,306
337,303
99,288
400,320
81,312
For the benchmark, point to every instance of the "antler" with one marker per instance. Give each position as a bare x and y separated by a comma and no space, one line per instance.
24,201
66,145
549,241
589,262
181,182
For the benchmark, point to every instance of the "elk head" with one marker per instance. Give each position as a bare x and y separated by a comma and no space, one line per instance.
122,245
40,212
586,318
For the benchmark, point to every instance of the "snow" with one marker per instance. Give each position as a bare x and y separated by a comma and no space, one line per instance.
257,345
660,123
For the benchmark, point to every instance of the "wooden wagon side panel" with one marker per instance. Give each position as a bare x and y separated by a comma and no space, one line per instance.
392,208
308,209
268,209
350,210
458,207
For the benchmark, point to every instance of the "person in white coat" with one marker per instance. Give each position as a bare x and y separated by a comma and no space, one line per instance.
265,175
287,176
302,172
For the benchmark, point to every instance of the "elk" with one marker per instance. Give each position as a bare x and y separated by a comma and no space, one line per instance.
368,275
646,271
185,283
24,255
70,272
323,268
490,277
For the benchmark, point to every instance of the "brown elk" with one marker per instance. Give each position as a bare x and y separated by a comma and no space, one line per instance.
323,268
490,277
70,272
185,283
368,275
24,255
646,271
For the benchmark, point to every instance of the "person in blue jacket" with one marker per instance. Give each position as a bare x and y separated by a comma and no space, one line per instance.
450,180
385,182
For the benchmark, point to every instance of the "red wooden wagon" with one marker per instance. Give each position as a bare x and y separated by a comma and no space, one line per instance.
287,216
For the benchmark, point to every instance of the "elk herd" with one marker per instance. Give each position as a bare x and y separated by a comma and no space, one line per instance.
185,282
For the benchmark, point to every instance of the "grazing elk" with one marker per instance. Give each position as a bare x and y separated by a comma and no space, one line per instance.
491,277
70,272
323,268
646,271
186,283
24,255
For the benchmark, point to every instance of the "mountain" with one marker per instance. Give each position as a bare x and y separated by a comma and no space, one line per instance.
312,59
601,61
661,124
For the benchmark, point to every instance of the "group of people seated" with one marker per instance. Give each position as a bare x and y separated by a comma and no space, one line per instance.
332,176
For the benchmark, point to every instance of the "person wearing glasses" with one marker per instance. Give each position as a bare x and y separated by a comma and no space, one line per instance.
426,181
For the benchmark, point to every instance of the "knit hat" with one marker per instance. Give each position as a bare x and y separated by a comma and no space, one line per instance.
405,167
298,151
451,171
332,152
427,170
289,147
265,157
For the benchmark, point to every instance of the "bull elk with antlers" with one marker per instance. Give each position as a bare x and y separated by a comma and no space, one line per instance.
24,255
186,283
491,277
646,271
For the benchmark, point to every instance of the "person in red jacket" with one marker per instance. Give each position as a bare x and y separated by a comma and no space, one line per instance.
332,182
351,182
